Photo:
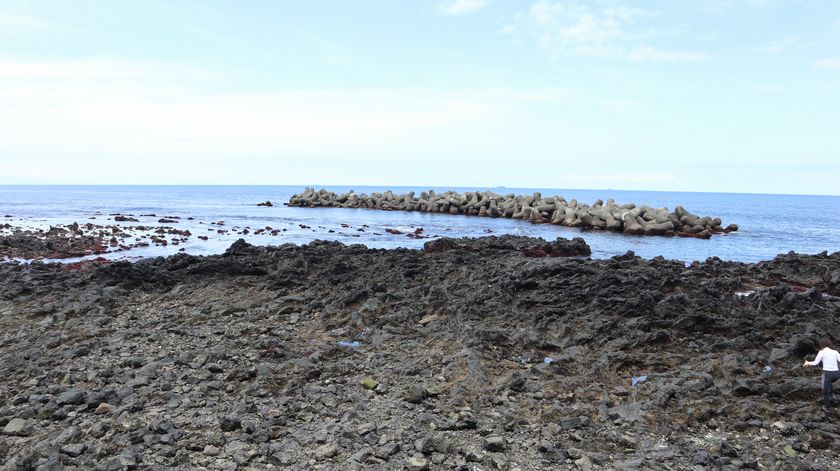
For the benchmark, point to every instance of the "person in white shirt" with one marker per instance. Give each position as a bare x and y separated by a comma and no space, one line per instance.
831,373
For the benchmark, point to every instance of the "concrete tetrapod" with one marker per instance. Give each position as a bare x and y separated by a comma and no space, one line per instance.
626,218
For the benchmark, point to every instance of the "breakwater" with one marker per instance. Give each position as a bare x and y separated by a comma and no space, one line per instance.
625,218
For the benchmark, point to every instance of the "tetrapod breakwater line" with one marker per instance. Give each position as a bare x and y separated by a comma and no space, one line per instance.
629,219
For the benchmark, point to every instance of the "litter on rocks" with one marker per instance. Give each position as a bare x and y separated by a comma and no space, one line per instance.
638,379
548,360
347,343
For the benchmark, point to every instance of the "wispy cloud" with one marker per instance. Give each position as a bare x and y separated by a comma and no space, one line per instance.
719,6
568,24
597,29
508,29
97,107
619,106
828,63
461,7
778,46
651,54
338,59
620,178
18,25
90,69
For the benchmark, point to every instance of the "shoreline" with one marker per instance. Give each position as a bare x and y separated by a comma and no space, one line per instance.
69,244
761,237
484,351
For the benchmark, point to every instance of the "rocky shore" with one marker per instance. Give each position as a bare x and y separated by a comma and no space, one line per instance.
79,240
494,353
627,218
62,241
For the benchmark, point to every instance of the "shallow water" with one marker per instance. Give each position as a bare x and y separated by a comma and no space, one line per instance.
769,224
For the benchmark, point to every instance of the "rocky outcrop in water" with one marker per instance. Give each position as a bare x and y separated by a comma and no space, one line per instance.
79,240
609,216
62,241
470,354
57,242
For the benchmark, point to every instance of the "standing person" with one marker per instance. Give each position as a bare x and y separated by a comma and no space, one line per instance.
831,373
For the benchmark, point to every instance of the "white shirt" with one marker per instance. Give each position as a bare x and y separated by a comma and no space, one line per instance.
829,359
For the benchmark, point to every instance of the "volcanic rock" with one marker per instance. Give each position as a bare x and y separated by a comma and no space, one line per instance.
486,355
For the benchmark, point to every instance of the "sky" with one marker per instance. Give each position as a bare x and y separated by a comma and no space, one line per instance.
703,95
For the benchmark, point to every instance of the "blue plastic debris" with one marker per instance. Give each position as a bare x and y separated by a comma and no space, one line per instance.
347,343
548,360
768,369
638,379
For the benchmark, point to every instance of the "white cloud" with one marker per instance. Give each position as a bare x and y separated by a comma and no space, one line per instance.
16,26
105,131
598,29
780,45
338,59
619,106
566,23
90,69
82,109
508,29
829,63
621,178
646,53
462,7
16,23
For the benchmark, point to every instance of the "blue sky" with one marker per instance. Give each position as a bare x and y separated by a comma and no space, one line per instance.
704,95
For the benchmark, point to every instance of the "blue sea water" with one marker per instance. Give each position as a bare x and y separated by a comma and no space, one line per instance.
769,224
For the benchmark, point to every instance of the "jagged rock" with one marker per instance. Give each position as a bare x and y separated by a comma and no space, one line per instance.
417,462
229,424
104,408
72,397
19,427
73,450
415,394
531,362
495,443
327,451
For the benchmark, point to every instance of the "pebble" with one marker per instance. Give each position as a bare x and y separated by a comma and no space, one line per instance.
584,463
71,397
417,462
229,424
74,449
327,451
495,443
18,427
104,408
369,383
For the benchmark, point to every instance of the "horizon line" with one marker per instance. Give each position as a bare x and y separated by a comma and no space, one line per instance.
478,188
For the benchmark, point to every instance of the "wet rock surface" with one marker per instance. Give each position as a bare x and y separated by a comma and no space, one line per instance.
54,243
21,241
466,355
626,218
80,240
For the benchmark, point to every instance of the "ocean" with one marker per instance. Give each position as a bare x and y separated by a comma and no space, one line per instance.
769,224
